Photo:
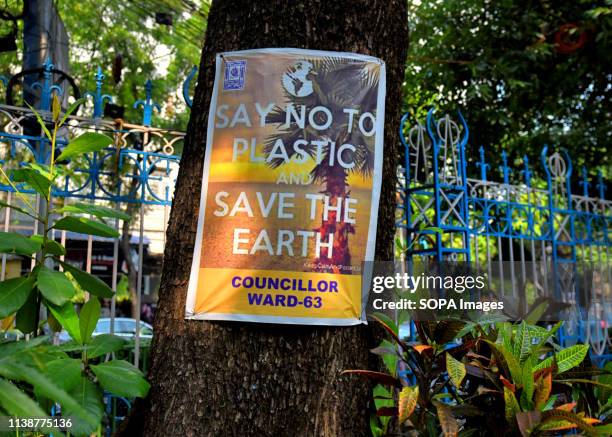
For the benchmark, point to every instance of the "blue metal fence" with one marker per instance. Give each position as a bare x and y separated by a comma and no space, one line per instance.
496,220
531,225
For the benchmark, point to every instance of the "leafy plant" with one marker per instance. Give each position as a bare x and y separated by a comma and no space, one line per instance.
35,375
495,378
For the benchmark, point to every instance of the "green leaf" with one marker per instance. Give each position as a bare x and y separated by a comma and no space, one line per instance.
89,398
90,283
103,344
605,394
86,143
13,294
17,403
566,359
65,372
90,313
68,318
456,370
99,211
84,225
41,123
54,286
44,385
16,208
536,313
515,369
12,242
12,348
387,321
52,246
522,343
71,109
25,319
512,407
34,179
121,378
56,107
408,398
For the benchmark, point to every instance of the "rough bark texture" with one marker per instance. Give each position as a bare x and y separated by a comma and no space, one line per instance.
223,379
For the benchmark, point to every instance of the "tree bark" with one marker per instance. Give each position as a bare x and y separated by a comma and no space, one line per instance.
226,378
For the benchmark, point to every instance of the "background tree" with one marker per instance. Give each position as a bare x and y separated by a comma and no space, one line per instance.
252,379
131,46
524,73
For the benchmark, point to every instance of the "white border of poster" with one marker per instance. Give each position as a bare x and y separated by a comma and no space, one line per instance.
376,186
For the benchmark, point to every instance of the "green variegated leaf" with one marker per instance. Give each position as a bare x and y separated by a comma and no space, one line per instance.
522,343
448,423
456,370
511,405
566,359
408,398
514,367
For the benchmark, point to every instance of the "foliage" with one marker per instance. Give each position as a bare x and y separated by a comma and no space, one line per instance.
491,380
37,373
525,73
130,47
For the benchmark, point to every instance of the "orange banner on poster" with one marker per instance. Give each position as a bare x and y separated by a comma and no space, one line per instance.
290,188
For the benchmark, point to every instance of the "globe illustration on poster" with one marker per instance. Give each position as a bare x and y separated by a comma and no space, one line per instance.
296,82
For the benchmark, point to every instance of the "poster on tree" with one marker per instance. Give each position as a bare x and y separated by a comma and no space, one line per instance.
290,188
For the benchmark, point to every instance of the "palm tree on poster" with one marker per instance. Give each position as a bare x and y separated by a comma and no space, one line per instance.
336,84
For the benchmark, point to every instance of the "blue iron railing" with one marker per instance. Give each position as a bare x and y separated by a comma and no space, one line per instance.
514,221
140,167
531,222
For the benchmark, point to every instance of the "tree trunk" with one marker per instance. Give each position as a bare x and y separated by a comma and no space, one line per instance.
227,378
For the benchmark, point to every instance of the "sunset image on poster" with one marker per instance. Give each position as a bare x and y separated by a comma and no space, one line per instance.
290,188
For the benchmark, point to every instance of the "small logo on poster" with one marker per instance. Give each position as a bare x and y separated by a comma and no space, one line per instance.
235,72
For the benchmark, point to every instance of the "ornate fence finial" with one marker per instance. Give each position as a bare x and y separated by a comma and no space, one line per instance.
187,84
601,186
585,182
98,97
46,89
147,104
526,172
482,164
504,167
